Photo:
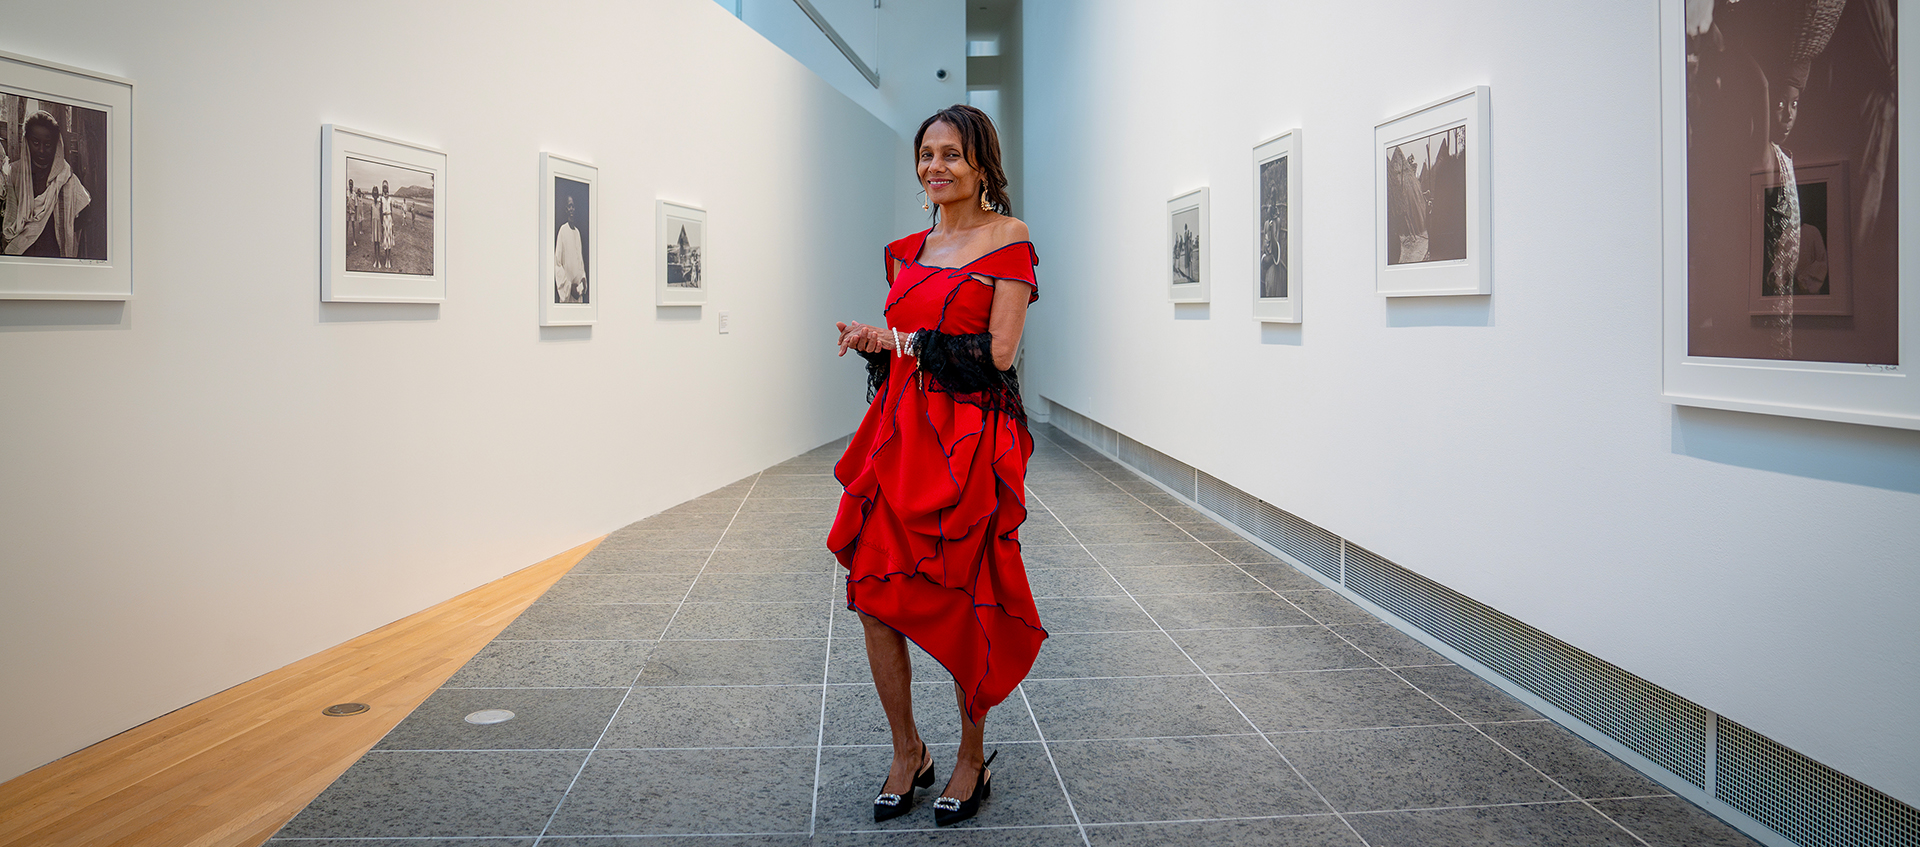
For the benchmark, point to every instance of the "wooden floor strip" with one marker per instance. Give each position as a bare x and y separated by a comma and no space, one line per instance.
230,770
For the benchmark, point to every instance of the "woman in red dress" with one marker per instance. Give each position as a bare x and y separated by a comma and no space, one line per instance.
936,475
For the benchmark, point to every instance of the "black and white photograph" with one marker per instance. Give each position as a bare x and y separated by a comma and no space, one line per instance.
683,254
1276,229
390,218
1427,199
680,268
1186,247
53,179
572,239
384,239
1273,228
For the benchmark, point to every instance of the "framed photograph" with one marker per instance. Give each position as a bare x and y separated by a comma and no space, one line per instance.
1187,248
1784,288
569,259
681,234
383,216
1797,259
66,159
1276,253
1433,199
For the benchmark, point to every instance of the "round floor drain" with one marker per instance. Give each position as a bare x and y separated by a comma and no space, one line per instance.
341,710
489,717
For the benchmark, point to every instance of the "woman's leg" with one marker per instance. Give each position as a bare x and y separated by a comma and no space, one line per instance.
893,679
972,756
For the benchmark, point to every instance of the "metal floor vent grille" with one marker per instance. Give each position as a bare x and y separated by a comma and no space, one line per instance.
1806,801
1170,472
1802,800
1310,544
1644,717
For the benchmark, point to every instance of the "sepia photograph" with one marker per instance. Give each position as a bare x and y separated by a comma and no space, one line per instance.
572,241
384,236
1427,199
390,218
683,253
1273,228
1788,105
53,179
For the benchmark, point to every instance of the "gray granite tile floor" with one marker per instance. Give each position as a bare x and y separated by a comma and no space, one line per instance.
696,679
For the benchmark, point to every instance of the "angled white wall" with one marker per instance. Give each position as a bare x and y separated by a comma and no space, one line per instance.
226,475
1514,448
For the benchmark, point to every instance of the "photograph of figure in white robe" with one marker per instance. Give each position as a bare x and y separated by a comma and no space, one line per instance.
390,212
1427,198
1801,93
571,240
1273,228
683,254
1186,246
53,176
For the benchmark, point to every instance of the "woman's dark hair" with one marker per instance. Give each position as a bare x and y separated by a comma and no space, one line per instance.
979,143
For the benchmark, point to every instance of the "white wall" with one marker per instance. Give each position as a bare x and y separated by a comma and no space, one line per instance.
226,475
910,41
1515,447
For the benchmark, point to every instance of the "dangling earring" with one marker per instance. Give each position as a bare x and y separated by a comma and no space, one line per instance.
984,205
925,205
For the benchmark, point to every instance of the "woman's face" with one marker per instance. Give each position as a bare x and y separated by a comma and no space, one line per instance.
944,170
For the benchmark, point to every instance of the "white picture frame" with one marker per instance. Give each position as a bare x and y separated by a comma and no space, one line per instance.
1433,204
356,266
1276,229
569,287
90,254
679,268
1188,248
1871,393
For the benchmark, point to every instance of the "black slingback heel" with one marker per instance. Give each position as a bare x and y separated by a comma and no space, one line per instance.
886,807
948,811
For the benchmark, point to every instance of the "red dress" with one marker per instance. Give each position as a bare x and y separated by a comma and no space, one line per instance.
928,528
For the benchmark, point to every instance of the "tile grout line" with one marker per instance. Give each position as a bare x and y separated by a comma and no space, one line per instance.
1203,671
1383,666
635,682
1048,750
820,743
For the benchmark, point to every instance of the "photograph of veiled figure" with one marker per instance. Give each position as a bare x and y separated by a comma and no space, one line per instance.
1792,180
1427,198
1186,247
572,238
684,252
1273,228
53,179
390,212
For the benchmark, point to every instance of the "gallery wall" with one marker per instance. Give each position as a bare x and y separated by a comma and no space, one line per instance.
224,475
1513,447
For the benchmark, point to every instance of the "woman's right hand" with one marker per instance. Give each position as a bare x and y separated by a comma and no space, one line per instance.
859,337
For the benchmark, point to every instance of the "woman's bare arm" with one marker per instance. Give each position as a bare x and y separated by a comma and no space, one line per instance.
1008,318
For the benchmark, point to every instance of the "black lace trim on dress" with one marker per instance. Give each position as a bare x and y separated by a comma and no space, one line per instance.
878,366
962,365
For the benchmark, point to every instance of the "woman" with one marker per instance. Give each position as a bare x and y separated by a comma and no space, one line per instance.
386,226
935,476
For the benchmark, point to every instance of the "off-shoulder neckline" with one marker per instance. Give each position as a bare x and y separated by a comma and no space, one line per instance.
922,243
